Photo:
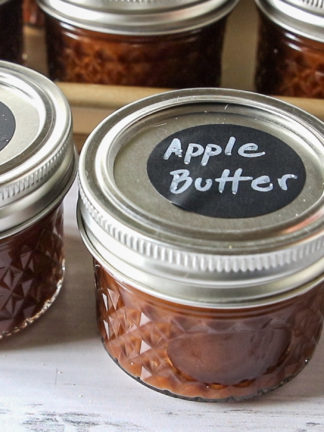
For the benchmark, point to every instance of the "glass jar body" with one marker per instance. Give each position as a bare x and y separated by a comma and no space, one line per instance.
31,272
186,60
32,14
207,354
288,64
11,32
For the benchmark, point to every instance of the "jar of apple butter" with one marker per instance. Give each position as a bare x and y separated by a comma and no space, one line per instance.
148,43
37,167
203,211
290,54
11,31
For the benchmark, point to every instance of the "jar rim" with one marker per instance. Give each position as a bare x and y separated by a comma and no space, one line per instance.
205,300
108,16
301,17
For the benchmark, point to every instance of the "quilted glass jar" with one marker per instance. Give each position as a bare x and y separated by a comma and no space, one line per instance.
203,211
146,43
11,31
37,167
290,55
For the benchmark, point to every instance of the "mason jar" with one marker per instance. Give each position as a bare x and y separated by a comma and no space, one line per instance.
11,31
203,211
145,43
290,54
37,167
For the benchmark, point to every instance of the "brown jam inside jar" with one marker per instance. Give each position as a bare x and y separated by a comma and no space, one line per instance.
189,59
32,14
31,272
288,64
208,354
11,36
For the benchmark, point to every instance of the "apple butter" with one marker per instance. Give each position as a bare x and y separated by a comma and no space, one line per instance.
37,167
147,43
207,354
290,55
31,268
203,211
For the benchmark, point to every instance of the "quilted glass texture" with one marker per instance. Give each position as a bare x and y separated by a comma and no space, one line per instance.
191,59
31,272
288,64
207,354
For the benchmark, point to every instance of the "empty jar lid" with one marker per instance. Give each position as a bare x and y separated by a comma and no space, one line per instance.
138,16
37,159
209,197
304,17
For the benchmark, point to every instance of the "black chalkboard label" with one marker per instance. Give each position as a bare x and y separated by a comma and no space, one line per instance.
226,171
7,125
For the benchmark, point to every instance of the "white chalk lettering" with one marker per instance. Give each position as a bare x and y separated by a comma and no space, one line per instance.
235,180
229,146
180,176
174,147
193,150
283,180
262,180
182,181
248,150
250,147
210,151
199,187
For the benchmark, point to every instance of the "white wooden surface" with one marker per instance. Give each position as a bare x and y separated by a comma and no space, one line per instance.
56,376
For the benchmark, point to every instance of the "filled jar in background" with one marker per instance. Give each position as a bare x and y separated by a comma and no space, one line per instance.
11,31
37,167
203,211
150,43
290,54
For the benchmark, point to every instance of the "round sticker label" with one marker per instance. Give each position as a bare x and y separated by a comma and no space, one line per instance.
7,125
226,171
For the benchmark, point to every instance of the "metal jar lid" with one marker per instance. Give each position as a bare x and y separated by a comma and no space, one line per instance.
303,17
37,158
237,244
138,17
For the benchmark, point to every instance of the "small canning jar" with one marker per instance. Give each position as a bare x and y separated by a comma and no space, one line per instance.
290,53
146,43
11,31
32,14
203,211
37,167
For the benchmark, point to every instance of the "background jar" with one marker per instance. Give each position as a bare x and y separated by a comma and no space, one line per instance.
37,167
201,234
139,43
290,54
11,36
